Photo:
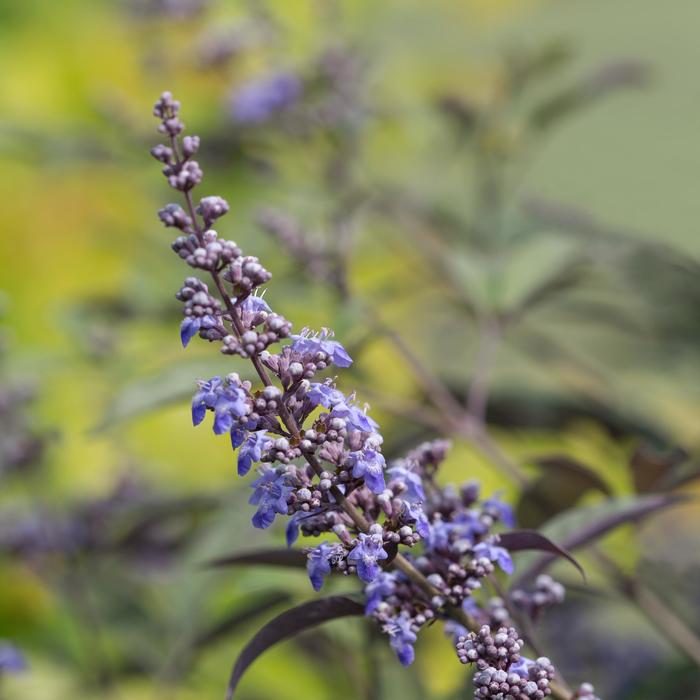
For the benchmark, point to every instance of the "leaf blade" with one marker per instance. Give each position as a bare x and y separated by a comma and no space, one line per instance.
288,558
288,624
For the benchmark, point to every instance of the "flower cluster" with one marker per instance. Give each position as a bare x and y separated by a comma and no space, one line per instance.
317,452
459,548
318,456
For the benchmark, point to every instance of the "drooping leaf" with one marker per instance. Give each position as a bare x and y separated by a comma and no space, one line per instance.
583,526
290,558
523,540
288,624
563,482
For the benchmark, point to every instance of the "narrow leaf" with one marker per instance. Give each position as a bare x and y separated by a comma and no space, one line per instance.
521,540
288,624
291,558
582,526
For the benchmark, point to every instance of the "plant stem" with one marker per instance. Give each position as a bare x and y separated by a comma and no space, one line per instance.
487,343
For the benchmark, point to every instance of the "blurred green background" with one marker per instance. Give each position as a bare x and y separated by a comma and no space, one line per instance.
527,160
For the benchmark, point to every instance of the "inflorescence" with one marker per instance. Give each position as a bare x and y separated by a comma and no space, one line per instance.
318,455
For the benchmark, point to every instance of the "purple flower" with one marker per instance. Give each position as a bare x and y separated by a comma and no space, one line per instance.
309,343
225,397
205,398
260,99
270,495
251,451
189,328
365,555
502,510
229,406
319,562
255,305
469,525
238,436
341,406
378,590
11,659
439,535
471,607
410,480
522,667
402,638
369,464
292,529
324,395
500,555
454,630
413,513
355,418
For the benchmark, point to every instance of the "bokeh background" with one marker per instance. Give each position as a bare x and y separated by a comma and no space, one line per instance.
504,189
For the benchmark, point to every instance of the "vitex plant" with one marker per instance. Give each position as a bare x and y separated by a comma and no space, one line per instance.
419,550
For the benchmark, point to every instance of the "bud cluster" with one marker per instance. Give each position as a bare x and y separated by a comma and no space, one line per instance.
502,674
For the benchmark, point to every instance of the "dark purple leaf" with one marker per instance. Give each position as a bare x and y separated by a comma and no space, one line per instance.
607,517
289,624
522,540
289,558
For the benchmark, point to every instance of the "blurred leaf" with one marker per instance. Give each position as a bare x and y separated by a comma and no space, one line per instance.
649,467
523,540
229,623
583,526
562,484
291,558
603,82
171,385
533,64
462,114
162,519
253,607
288,624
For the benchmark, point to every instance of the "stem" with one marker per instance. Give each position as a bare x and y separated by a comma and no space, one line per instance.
455,417
487,342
